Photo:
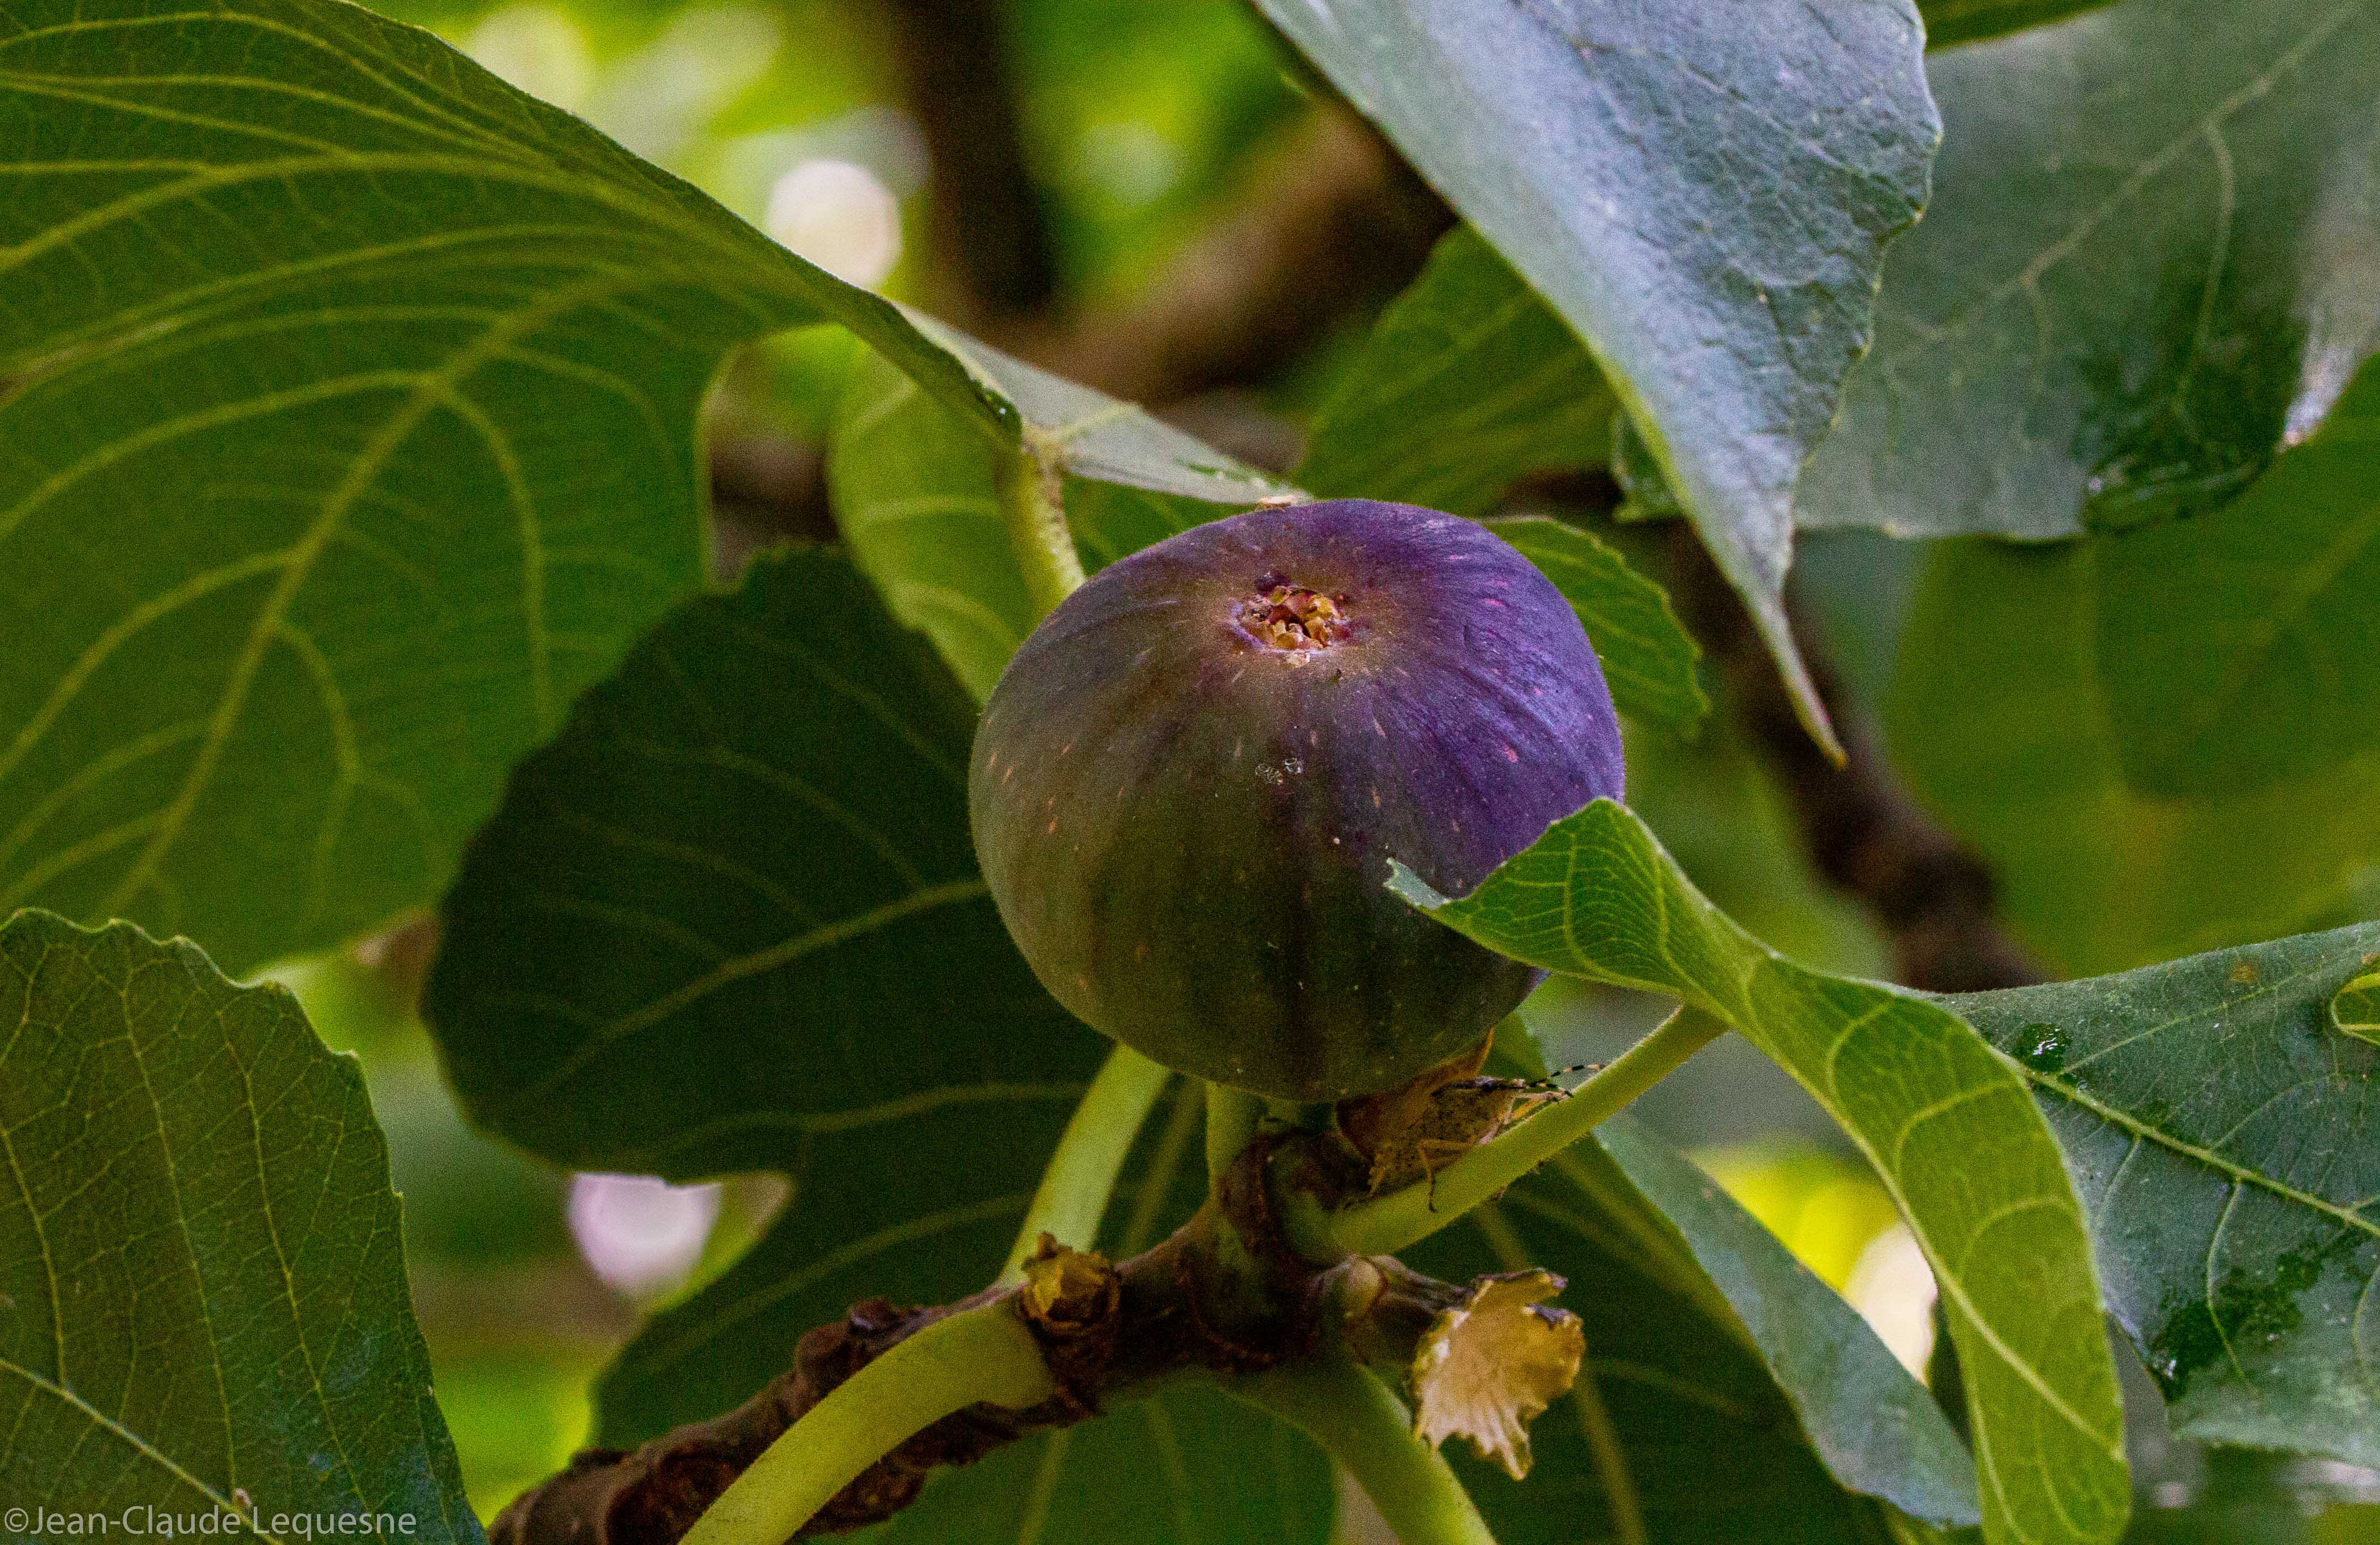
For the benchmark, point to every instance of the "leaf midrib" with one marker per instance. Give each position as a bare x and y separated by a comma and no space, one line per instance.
2239,1173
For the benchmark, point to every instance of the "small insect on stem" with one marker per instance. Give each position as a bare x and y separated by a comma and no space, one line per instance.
1409,1134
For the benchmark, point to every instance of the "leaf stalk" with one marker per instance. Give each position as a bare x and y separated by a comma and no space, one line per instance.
1073,1196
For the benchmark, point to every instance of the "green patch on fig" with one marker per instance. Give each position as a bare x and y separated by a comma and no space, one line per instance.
1190,781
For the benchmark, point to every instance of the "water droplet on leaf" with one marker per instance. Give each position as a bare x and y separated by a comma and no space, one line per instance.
2042,1048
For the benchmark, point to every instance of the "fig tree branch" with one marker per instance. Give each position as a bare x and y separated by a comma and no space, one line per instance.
1389,1224
994,252
876,1402
1332,224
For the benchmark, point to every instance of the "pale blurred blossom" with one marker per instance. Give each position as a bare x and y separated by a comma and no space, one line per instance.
839,216
1893,1289
643,1237
540,49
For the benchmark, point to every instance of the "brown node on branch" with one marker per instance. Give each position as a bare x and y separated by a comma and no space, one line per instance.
1073,1301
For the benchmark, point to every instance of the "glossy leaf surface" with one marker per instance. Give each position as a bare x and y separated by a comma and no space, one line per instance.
2224,1135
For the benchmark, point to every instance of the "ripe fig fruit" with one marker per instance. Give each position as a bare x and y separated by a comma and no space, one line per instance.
1189,781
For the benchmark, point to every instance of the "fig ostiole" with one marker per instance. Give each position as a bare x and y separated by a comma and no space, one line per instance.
1188,783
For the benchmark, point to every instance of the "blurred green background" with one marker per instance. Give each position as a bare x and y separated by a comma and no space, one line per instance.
1143,126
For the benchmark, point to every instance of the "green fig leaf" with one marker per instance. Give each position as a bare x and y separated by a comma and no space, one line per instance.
1648,658
203,1307
1920,1093
348,403
1468,382
2224,1135
2149,264
730,920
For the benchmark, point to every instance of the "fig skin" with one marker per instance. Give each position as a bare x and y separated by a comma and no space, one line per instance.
1188,783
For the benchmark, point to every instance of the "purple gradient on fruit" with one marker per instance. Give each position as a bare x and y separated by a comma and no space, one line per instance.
1190,780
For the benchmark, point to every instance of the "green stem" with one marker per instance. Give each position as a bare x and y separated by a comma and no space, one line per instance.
1367,1430
1391,1222
982,1354
1037,528
1075,1189
1233,1117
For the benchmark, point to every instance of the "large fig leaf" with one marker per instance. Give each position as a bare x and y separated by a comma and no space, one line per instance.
347,431
730,919
2224,1135
2153,260
2164,740
202,1298
1703,192
1468,382
1676,1431
1943,1119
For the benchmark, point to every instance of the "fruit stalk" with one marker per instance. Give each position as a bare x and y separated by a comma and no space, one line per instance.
1036,518
1075,1189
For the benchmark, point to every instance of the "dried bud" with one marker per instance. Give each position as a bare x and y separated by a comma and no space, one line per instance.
1488,1366
1069,1293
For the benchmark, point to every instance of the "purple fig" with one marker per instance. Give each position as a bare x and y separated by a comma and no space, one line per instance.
1190,780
